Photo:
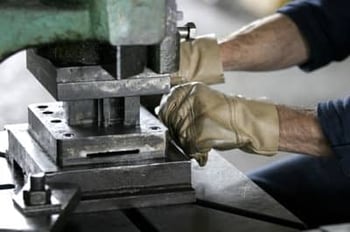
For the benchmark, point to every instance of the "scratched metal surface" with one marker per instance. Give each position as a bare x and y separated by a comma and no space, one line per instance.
221,183
187,218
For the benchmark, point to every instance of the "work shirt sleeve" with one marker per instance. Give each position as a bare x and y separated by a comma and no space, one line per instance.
325,26
334,117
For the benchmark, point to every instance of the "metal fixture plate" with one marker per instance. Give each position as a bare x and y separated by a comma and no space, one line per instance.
154,183
89,82
69,146
161,198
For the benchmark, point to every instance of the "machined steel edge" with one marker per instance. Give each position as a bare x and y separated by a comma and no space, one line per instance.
93,82
149,138
133,179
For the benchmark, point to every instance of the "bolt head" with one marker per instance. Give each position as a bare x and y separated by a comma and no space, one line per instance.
192,30
35,198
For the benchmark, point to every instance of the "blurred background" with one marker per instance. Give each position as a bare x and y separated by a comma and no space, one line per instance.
291,87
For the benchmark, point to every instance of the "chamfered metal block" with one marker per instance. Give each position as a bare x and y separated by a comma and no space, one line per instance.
79,145
138,184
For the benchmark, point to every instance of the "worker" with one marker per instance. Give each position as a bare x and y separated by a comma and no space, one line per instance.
310,33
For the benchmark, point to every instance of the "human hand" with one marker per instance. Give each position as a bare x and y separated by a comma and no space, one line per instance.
199,61
200,118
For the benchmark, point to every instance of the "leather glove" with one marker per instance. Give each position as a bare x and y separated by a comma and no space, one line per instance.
199,61
200,118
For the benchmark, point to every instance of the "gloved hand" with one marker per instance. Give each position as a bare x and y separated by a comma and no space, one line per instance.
199,61
200,118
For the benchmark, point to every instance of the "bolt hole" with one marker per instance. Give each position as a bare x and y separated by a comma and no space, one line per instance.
56,121
42,107
155,128
68,135
47,112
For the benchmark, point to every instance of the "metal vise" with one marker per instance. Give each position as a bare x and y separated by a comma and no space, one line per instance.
97,58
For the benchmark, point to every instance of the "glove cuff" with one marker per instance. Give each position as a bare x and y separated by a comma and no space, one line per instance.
200,61
258,126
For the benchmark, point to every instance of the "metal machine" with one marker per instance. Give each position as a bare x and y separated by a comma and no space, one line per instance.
97,156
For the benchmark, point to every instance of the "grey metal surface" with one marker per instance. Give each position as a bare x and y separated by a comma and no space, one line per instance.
11,219
164,57
136,179
27,153
220,183
131,111
144,84
115,60
101,222
119,66
81,112
186,218
81,83
103,112
166,197
63,200
68,145
108,187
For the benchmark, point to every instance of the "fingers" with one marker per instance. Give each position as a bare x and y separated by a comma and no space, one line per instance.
176,112
170,103
201,158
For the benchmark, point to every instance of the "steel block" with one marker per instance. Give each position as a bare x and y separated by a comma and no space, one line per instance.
93,82
139,184
69,145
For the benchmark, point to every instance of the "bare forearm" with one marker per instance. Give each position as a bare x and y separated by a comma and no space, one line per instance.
300,132
271,43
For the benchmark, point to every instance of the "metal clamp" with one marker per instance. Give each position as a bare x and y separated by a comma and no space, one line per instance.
38,198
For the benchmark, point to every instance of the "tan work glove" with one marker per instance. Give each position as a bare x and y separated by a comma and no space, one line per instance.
199,61
200,118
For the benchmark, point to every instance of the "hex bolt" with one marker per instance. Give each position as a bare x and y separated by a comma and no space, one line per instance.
37,182
39,193
187,32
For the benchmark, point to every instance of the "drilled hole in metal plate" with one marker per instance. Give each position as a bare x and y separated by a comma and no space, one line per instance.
155,128
47,112
113,153
56,121
68,135
42,107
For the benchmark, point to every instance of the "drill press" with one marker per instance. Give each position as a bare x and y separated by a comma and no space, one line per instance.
97,148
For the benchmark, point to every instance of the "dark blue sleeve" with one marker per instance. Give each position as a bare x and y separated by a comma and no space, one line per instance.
325,25
334,117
